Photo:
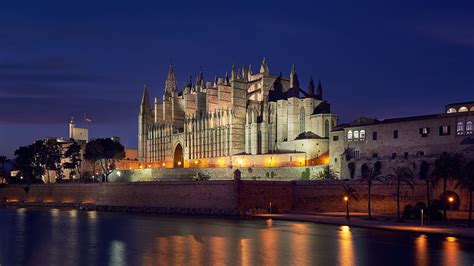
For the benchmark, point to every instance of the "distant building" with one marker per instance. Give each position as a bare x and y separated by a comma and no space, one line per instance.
247,119
77,133
415,138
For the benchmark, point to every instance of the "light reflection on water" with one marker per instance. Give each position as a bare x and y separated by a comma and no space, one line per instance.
71,237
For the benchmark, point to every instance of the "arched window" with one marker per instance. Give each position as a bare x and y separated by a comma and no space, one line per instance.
451,110
362,135
463,109
469,127
460,128
349,135
472,109
356,135
302,120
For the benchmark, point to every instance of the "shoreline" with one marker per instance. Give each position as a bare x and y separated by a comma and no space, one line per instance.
356,220
407,226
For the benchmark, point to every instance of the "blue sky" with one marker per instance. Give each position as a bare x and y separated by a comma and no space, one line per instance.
60,59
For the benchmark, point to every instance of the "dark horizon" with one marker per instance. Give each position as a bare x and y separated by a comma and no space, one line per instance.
374,59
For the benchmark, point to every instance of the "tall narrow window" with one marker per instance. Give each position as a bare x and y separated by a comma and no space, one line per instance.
469,127
362,135
460,128
349,135
302,120
356,135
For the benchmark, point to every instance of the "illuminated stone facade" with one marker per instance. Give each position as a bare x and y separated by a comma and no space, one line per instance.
405,139
235,121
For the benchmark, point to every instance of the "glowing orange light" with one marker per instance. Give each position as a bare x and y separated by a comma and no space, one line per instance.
196,162
141,166
163,164
451,199
346,198
149,166
179,163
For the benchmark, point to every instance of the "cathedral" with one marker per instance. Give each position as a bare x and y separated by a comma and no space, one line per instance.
244,120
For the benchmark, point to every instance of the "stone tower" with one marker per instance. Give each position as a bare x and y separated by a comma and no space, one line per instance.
144,120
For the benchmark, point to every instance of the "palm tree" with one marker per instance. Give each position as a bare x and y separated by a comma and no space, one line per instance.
400,174
369,174
467,181
425,175
349,193
446,168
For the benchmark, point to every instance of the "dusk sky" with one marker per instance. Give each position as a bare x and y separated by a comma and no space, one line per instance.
69,58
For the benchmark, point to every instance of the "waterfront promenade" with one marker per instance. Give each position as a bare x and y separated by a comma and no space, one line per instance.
449,228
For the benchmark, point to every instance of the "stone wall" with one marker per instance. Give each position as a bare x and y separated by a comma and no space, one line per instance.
247,173
215,197
224,197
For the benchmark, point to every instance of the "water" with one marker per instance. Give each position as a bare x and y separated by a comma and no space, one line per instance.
70,237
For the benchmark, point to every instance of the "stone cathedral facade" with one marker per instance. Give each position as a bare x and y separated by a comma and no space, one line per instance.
245,120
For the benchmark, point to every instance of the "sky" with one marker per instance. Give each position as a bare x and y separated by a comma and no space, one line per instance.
63,59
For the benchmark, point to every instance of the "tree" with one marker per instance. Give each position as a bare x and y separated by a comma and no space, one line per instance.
447,168
327,173
369,174
424,174
106,152
349,193
51,154
401,174
467,181
30,162
73,155
3,161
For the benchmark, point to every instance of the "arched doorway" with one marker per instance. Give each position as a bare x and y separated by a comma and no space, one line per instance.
452,200
178,157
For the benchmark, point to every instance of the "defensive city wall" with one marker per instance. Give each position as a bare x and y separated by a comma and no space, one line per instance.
218,197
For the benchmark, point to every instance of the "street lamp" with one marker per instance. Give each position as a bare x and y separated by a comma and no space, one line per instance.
346,199
450,200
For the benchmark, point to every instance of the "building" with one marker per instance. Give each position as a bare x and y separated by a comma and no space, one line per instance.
245,120
414,139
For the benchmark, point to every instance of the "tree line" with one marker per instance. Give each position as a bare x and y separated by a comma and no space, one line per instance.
446,168
38,160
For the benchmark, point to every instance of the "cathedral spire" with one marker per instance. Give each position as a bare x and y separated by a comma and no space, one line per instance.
200,80
264,67
319,91
226,78
233,75
244,73
249,72
311,87
294,83
145,104
170,83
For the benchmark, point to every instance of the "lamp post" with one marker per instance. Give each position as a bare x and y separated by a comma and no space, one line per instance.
450,200
346,199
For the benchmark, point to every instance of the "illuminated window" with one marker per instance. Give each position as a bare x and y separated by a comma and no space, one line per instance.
460,128
463,109
469,127
444,130
349,135
451,110
356,135
362,135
